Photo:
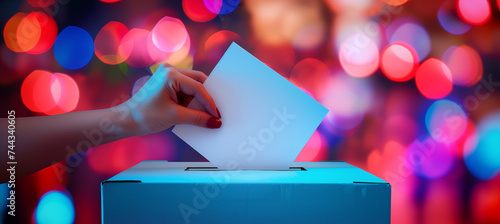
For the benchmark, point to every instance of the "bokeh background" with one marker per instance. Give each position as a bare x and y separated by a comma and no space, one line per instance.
413,89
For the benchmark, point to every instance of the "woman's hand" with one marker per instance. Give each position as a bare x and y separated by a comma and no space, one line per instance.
162,102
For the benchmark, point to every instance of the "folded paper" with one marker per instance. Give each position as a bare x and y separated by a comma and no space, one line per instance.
266,120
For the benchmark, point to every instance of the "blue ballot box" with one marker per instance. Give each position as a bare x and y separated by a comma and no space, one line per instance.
197,192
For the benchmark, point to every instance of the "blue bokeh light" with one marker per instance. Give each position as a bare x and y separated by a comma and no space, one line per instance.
415,35
452,23
55,207
484,160
73,48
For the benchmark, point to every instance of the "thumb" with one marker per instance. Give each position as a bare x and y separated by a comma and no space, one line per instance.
198,118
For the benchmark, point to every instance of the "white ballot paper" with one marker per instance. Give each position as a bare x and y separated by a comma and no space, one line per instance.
266,120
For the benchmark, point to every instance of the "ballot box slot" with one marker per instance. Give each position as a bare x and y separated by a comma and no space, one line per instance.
217,169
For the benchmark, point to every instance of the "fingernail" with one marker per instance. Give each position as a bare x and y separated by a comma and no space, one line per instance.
218,113
214,123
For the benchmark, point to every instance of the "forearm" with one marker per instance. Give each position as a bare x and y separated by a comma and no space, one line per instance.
42,141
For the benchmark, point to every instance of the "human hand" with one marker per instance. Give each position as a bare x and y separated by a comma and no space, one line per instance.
162,102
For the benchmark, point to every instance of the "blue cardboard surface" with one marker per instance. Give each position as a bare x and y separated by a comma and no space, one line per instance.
165,192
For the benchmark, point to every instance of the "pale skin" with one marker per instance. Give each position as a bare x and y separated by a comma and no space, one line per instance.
161,103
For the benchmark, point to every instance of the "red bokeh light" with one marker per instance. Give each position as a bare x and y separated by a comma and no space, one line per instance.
197,11
217,43
312,74
399,62
169,34
107,42
474,12
33,33
433,79
134,48
49,93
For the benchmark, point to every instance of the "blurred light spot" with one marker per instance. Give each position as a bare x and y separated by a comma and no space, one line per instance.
280,22
73,47
429,158
395,2
359,56
346,26
134,48
217,44
33,33
348,99
414,35
280,57
41,3
221,7
139,83
197,11
449,20
485,201
180,56
309,37
315,150
355,7
49,93
10,31
446,121
399,62
55,207
475,12
109,1
169,34
433,79
107,42
114,157
157,55
465,65
48,31
484,160
311,74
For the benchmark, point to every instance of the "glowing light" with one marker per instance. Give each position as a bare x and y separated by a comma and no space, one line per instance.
449,19
484,160
309,37
474,12
280,57
430,158
73,48
465,65
314,150
55,207
181,55
217,43
10,32
359,56
433,79
41,4
446,121
107,42
399,62
49,93
311,74
109,1
169,34
134,48
395,2
117,156
348,99
221,7
33,33
197,11
47,28
414,35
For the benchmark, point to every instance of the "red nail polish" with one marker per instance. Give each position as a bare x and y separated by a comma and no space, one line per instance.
214,123
218,113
